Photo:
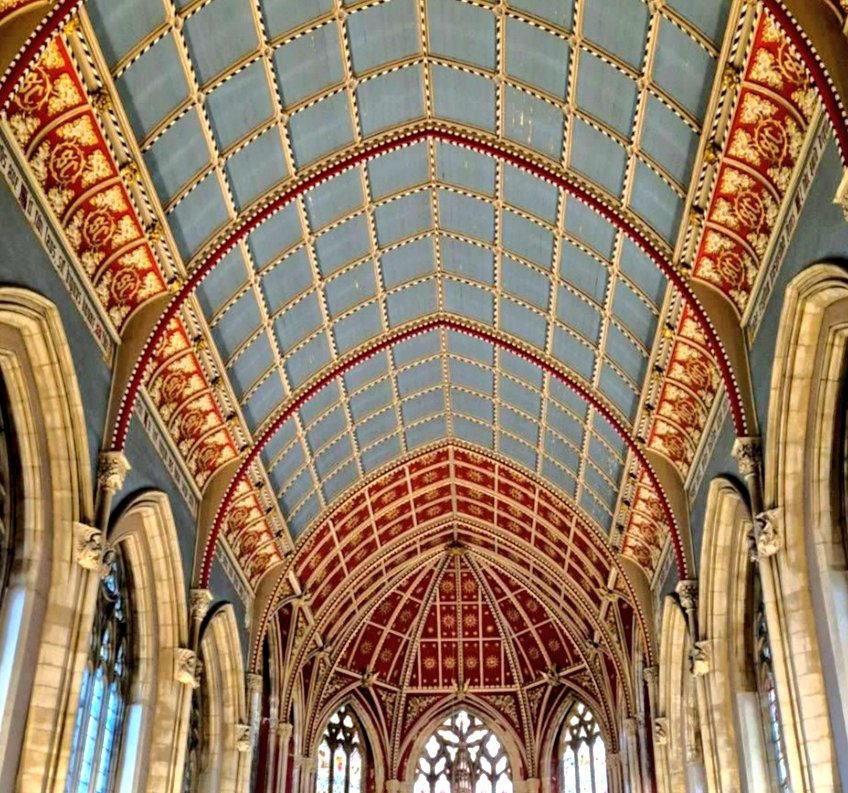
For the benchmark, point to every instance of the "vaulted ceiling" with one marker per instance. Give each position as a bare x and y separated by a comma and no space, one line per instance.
406,241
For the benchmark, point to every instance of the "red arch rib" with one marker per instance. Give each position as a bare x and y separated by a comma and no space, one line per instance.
121,428
449,324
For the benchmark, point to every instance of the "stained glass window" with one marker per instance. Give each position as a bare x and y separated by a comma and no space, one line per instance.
340,755
583,755
105,687
772,726
463,756
8,475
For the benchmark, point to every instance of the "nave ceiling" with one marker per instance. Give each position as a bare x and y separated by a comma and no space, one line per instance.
343,238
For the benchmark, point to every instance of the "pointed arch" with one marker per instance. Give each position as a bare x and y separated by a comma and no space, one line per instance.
420,729
805,441
223,701
156,724
734,753
46,599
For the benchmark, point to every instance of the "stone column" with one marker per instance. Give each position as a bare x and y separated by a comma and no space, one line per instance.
305,766
284,734
631,742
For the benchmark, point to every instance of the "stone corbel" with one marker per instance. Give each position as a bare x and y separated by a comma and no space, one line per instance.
242,736
89,547
700,658
661,731
112,470
185,667
769,532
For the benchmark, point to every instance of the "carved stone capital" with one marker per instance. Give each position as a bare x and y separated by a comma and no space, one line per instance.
89,547
661,730
254,683
112,470
186,667
199,602
284,732
242,735
700,658
613,759
687,591
748,454
769,532
650,674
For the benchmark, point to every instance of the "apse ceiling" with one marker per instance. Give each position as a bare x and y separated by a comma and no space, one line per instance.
398,226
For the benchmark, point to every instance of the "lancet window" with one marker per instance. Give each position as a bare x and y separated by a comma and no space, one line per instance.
340,755
583,754
105,687
463,755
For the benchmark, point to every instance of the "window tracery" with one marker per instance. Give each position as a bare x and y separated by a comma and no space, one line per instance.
583,755
340,755
105,687
463,755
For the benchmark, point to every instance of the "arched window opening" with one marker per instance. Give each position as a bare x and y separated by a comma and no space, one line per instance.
463,755
105,687
8,484
583,754
340,755
766,689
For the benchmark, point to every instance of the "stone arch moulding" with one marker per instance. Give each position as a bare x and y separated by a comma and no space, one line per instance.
145,531
808,566
223,668
723,616
46,410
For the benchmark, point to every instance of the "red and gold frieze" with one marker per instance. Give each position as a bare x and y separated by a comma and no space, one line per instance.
55,123
56,127
687,394
774,108
647,530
